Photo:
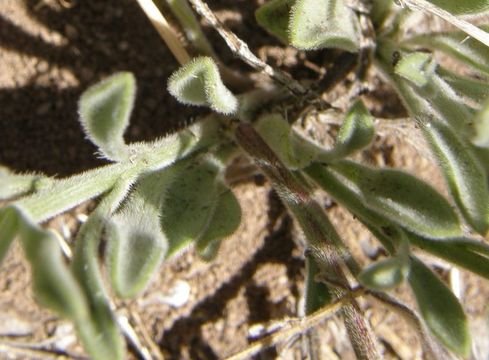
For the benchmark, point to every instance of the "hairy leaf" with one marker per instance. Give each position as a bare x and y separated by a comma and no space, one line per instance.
292,150
467,253
403,199
481,127
457,7
224,222
440,308
136,244
466,177
437,113
105,109
317,24
199,83
356,132
189,204
456,44
417,67
274,17
473,89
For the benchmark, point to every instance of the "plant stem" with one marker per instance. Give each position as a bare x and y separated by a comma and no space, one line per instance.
323,241
165,31
63,194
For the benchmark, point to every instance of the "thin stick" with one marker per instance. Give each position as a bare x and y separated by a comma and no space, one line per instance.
463,25
241,50
299,327
165,31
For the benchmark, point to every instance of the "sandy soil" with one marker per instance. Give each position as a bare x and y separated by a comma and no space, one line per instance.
50,52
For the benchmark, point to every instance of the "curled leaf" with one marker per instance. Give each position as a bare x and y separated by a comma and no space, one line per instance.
105,109
199,83
317,24
439,308
356,132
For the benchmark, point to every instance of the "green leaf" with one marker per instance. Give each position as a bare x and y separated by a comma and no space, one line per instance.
224,222
274,17
470,254
199,83
317,293
190,203
457,7
439,308
481,127
445,122
317,24
473,89
384,274
389,272
136,244
456,44
101,334
293,150
417,67
105,109
9,228
403,199
356,132
380,11
466,177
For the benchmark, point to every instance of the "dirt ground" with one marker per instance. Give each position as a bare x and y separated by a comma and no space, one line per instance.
50,51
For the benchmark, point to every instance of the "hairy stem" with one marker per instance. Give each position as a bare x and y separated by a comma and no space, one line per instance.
61,195
322,238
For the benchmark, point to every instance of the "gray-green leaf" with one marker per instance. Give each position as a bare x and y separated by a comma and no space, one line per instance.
440,308
105,109
136,244
356,132
317,24
480,136
403,199
224,222
466,177
199,83
456,44
384,274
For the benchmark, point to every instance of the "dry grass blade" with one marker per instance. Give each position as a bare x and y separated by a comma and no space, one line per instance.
165,30
463,25
299,326
241,49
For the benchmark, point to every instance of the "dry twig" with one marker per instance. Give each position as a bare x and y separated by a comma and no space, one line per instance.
241,50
